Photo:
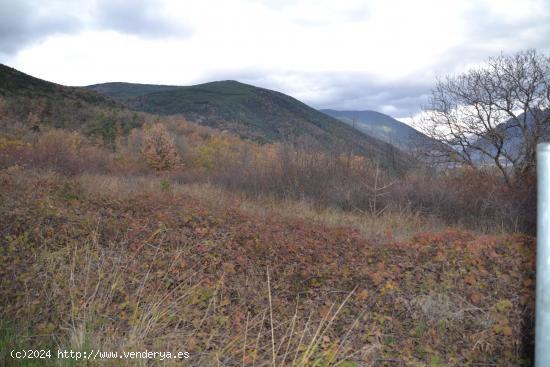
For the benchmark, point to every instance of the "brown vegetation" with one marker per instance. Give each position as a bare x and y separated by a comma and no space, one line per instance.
126,231
128,266
477,199
159,149
102,251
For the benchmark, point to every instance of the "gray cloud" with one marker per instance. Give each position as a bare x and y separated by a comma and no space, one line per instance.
143,18
487,28
487,34
26,22
366,92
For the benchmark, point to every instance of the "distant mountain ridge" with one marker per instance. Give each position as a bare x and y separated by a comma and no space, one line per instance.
382,127
255,113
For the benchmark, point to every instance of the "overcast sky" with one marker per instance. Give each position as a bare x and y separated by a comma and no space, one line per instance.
381,55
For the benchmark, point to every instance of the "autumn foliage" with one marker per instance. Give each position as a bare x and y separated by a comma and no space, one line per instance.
158,148
115,264
114,257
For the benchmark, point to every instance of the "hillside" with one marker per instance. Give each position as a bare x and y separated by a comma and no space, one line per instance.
381,126
14,83
28,104
254,113
121,92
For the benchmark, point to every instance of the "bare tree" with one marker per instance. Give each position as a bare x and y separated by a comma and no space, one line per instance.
495,112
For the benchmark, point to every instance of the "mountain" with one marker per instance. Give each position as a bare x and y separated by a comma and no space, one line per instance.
15,84
111,109
382,127
259,114
28,103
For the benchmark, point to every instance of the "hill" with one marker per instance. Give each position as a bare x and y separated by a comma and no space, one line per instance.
254,113
257,114
27,104
382,127
121,92
14,83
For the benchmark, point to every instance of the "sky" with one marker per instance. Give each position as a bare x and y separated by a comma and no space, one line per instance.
382,55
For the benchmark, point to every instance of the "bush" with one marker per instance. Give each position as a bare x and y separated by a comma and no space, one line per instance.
63,151
13,152
472,198
159,149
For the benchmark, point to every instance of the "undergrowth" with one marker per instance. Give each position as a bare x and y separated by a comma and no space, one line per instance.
128,264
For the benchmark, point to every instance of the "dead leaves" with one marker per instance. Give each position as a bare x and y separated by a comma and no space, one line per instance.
468,285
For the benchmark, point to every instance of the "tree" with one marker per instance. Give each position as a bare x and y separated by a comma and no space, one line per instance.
493,114
159,148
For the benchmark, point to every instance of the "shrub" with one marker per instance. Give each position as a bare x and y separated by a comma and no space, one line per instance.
13,152
63,151
469,197
165,186
59,150
159,149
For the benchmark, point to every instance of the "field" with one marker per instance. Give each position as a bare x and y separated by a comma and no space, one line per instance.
119,263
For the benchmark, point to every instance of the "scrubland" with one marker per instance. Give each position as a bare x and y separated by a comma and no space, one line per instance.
249,255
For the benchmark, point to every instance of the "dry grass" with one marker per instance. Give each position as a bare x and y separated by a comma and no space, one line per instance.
113,307
390,225
132,263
